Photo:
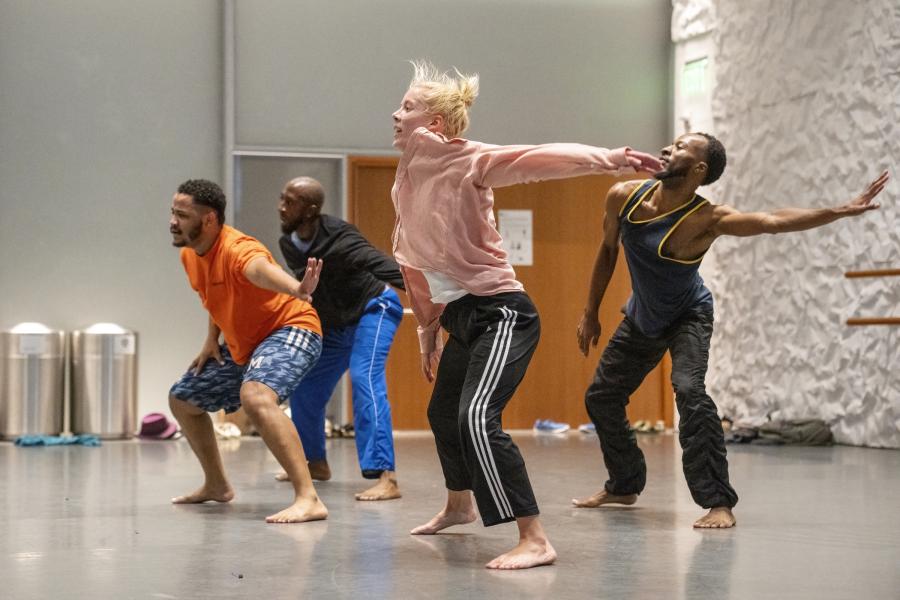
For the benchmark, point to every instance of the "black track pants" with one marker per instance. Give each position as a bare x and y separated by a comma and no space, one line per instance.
628,358
492,339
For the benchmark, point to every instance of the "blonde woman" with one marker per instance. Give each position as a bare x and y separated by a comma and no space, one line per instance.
458,277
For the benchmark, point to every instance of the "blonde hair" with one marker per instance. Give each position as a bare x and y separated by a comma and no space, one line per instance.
449,96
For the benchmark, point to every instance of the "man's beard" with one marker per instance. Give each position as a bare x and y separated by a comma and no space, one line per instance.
192,234
289,227
669,173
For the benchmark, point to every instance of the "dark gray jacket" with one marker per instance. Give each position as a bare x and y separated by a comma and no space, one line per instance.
353,271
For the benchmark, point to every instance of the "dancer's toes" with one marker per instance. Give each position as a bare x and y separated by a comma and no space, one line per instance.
717,518
206,493
603,497
526,555
282,476
385,489
300,511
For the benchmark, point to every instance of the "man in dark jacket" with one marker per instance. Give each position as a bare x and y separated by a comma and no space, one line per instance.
360,314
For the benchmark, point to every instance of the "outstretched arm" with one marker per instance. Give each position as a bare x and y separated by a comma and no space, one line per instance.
604,266
729,221
263,274
499,166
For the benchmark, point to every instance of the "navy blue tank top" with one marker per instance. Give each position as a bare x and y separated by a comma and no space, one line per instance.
662,288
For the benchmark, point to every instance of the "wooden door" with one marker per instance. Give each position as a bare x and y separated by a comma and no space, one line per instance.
567,217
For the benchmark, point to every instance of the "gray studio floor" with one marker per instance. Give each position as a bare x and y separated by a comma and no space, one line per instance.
95,523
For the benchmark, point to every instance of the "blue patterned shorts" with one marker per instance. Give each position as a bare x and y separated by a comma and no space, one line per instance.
279,362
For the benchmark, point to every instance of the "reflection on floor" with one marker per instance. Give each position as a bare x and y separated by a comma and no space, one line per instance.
96,523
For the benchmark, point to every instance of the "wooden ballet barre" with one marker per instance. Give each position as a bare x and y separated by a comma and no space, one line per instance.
874,273
874,321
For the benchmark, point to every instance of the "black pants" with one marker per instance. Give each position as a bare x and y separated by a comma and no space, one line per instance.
492,339
627,360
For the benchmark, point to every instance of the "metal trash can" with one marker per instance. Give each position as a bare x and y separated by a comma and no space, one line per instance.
32,380
104,381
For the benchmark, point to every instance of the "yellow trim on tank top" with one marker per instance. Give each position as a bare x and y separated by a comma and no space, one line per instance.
657,217
631,196
668,233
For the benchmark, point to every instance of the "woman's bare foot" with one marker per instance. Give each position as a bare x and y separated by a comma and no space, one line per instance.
303,509
385,489
318,470
533,549
603,497
445,519
207,493
717,518
525,555
459,510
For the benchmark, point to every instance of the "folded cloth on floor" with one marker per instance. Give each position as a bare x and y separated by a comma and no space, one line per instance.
57,440
787,432
795,432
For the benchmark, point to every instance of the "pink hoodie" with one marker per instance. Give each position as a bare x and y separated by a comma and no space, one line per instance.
444,205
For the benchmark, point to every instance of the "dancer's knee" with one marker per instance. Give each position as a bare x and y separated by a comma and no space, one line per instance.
438,417
256,403
182,407
689,386
601,401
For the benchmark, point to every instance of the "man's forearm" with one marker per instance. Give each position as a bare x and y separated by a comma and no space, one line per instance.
800,219
267,276
213,331
604,266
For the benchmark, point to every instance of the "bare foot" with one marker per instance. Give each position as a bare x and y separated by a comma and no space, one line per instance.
206,494
318,470
526,555
603,497
301,510
385,489
717,518
445,519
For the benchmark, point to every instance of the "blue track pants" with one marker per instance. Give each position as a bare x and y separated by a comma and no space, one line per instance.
363,348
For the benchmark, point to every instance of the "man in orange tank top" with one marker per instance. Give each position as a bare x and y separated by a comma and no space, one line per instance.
272,339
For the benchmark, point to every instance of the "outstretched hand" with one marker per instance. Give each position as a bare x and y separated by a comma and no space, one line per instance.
310,279
588,333
863,202
641,161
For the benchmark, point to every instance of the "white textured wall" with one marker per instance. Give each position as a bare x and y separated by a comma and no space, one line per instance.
807,102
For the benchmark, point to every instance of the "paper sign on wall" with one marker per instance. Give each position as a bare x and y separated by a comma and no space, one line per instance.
515,228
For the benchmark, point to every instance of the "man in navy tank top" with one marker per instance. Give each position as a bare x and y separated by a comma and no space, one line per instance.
665,229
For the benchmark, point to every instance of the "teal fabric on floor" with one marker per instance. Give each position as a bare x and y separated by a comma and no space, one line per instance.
57,440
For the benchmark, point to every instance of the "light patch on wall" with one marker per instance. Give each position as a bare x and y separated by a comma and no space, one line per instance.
693,78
